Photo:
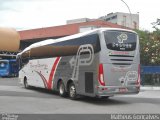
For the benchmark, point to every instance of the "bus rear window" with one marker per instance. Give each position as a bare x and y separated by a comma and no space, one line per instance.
120,40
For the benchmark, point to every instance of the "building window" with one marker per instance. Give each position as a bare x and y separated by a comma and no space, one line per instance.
135,25
124,20
114,17
111,18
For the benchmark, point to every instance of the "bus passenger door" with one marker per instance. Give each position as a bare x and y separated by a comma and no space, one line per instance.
33,72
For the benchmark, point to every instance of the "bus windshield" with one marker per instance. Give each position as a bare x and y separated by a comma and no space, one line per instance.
3,64
120,40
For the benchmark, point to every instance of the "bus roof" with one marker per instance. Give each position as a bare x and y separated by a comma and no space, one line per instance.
51,41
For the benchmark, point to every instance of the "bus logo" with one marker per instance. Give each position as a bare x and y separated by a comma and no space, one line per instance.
77,61
130,76
122,37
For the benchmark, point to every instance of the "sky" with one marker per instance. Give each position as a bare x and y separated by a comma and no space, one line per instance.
30,14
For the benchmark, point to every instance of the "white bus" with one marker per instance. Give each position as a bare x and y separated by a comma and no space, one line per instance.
98,63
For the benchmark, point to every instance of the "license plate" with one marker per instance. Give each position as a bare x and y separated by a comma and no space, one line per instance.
123,90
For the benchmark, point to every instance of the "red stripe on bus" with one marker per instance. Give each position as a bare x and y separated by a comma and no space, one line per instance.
52,73
43,78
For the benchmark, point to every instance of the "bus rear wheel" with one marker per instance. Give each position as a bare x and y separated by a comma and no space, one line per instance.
72,91
61,88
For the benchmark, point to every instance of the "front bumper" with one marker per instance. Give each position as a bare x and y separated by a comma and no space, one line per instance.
4,74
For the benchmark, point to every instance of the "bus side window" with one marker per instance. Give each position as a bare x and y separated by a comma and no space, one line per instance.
21,61
25,61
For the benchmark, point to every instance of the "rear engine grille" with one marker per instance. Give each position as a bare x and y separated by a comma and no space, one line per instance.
123,60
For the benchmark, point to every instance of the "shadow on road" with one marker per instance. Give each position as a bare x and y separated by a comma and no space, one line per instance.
102,101
90,100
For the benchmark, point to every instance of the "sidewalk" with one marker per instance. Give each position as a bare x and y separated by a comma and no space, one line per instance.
150,87
146,92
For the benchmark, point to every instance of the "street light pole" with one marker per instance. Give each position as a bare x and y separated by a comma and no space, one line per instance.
128,10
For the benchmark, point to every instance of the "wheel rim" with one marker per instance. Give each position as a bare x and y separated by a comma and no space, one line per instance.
61,89
72,91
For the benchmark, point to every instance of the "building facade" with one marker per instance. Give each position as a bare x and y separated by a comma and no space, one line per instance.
124,19
29,37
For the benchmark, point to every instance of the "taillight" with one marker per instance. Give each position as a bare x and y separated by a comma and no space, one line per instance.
139,78
101,75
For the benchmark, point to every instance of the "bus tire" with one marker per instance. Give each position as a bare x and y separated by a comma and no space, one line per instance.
61,89
72,91
26,83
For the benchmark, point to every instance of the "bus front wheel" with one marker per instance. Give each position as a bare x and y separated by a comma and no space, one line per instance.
61,87
26,83
72,91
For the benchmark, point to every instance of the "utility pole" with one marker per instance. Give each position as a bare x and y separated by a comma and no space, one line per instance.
129,11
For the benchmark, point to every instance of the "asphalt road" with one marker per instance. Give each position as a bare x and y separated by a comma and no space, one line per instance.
18,100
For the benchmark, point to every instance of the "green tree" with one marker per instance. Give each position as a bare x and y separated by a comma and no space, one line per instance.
149,47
